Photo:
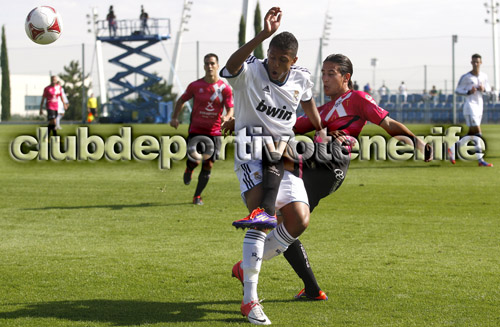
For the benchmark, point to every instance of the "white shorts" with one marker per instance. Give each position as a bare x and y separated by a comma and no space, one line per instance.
291,188
473,120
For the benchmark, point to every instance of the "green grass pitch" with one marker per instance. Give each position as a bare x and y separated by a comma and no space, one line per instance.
120,244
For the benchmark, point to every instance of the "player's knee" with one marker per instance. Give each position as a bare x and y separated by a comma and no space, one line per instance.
302,223
207,165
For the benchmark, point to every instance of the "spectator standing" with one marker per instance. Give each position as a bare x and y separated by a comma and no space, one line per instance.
367,88
111,18
144,21
403,92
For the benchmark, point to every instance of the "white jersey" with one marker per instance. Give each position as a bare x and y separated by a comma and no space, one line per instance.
60,108
473,104
261,102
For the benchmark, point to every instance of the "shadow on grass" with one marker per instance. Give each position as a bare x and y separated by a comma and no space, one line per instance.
113,206
124,312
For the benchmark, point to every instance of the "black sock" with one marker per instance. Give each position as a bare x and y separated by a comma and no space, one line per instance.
191,165
272,171
203,178
52,128
297,257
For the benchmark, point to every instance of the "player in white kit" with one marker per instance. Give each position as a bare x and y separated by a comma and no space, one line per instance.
267,94
472,85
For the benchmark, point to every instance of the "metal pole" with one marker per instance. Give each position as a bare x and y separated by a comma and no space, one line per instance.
425,78
83,84
177,47
197,59
495,45
248,33
321,90
454,40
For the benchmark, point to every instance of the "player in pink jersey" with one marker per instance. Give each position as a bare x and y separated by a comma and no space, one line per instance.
50,99
344,116
211,95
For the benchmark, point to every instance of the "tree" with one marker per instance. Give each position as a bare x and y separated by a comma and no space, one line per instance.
72,84
5,78
160,88
241,34
257,21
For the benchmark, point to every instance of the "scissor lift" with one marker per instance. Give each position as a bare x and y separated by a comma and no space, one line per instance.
134,39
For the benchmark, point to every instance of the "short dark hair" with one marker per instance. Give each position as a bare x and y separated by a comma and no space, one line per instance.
476,55
285,41
345,65
208,55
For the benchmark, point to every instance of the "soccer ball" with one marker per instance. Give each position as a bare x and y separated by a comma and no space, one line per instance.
43,25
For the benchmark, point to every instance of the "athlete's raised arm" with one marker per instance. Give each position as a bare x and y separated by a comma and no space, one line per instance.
272,22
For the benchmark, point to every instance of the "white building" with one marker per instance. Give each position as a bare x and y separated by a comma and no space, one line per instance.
26,94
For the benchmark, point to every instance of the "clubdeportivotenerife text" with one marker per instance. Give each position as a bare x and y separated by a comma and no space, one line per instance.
168,148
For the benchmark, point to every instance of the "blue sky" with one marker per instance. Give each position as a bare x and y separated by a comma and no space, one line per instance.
404,35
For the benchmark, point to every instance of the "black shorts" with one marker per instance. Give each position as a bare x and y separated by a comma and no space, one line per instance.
93,111
51,114
322,178
199,145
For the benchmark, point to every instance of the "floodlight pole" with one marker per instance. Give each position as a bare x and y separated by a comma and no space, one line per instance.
246,9
494,22
177,48
100,64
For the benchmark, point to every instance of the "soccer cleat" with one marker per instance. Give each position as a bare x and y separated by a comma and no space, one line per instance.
187,176
257,219
237,271
303,296
483,163
451,154
197,200
253,311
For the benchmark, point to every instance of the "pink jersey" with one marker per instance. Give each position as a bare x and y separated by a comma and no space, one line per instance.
209,103
348,113
52,94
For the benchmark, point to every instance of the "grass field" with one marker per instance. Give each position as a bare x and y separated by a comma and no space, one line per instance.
120,244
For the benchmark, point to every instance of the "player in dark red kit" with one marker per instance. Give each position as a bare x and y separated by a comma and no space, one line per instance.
50,99
344,117
211,95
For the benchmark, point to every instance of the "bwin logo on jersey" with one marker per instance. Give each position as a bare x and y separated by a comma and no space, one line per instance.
273,111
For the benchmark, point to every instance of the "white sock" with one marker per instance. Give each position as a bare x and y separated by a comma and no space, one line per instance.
253,249
277,241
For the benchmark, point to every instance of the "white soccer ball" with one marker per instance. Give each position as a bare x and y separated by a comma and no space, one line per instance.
43,25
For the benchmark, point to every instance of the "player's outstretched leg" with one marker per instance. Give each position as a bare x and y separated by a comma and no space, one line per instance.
297,257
